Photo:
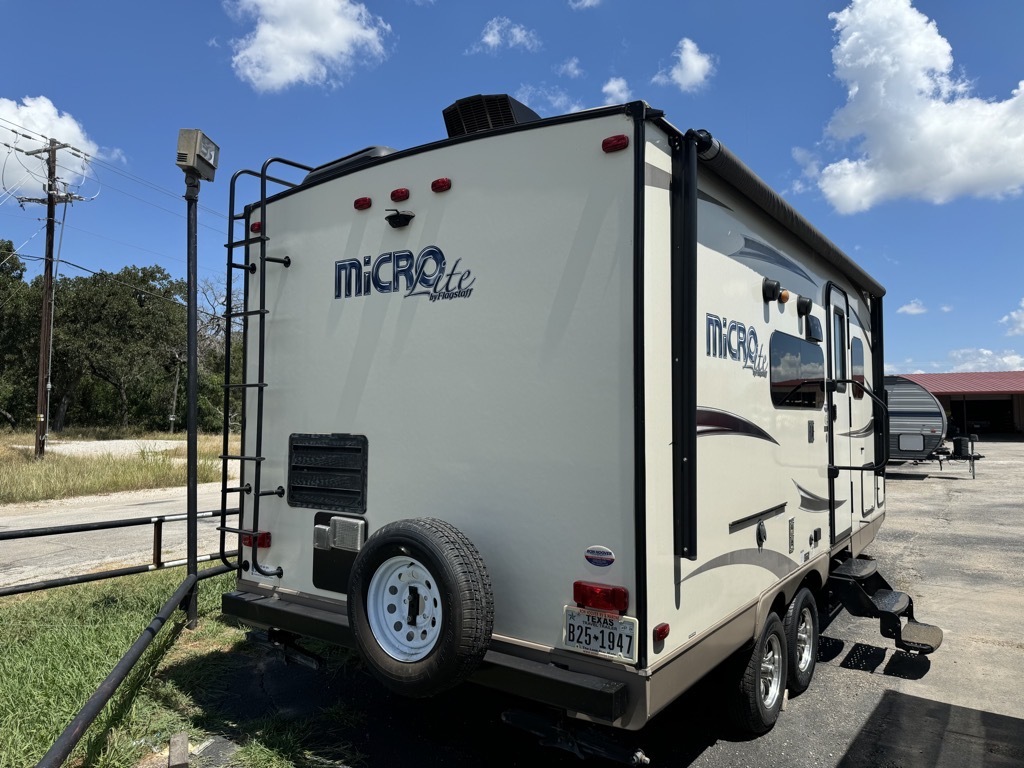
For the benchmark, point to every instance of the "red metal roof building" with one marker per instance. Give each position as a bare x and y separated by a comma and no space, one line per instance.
990,401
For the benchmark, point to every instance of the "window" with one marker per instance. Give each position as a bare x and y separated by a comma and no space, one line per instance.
797,372
839,349
857,366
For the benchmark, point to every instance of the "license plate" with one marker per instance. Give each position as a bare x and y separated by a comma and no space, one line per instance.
600,634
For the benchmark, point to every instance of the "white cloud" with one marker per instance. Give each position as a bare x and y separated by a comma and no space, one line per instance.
309,42
919,131
570,68
691,70
811,168
501,32
946,308
41,118
967,360
915,307
577,5
549,100
616,91
1015,321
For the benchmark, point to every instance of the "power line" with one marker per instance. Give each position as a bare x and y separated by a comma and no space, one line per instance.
92,163
150,184
93,160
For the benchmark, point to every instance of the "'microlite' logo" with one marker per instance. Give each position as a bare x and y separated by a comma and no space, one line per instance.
731,340
400,272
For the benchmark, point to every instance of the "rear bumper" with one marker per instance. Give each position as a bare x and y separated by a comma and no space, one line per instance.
592,695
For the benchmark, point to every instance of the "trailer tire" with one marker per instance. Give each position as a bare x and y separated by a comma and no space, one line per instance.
420,606
801,625
758,697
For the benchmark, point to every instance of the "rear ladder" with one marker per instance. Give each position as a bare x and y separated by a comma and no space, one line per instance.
251,463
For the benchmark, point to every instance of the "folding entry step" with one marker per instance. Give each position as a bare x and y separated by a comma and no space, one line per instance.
864,592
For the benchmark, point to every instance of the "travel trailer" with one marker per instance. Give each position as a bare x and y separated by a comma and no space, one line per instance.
917,421
576,408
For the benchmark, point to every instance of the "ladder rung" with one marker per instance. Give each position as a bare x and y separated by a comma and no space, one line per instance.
247,242
251,267
248,313
256,385
241,458
243,531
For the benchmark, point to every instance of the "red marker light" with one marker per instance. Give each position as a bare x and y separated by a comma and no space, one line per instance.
256,227
441,185
615,143
661,632
362,203
262,539
600,597
400,194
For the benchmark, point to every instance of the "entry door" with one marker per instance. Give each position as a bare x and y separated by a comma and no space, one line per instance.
839,404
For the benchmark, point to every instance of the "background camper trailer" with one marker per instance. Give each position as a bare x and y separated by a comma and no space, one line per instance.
576,408
917,421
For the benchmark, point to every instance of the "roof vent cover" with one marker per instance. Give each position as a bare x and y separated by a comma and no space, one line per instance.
484,113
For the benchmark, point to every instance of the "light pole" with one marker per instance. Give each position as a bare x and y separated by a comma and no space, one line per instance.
197,157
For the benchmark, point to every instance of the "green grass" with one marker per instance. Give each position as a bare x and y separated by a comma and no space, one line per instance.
57,646
60,644
26,479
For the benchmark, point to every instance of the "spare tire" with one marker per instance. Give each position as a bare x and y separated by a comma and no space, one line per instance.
420,606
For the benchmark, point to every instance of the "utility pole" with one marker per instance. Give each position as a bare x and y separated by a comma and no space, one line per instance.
46,323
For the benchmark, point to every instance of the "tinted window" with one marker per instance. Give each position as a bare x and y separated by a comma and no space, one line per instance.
839,349
857,364
797,372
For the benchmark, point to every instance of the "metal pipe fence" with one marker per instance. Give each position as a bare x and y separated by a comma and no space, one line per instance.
156,564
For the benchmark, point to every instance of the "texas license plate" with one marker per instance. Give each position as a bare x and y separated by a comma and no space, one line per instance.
600,634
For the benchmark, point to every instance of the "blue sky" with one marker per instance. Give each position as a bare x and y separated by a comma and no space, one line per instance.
896,127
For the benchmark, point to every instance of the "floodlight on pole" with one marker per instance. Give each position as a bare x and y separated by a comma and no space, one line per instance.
197,157
197,153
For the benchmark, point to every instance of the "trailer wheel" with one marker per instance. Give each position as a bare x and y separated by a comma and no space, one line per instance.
420,606
801,624
758,697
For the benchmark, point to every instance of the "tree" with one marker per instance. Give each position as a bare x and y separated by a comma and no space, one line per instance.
119,346
116,340
16,337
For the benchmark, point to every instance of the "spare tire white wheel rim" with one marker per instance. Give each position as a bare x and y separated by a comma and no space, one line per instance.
403,607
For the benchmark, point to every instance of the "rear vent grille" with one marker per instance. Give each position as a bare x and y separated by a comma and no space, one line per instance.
485,113
327,472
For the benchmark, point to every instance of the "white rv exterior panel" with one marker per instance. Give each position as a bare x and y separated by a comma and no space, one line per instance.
508,411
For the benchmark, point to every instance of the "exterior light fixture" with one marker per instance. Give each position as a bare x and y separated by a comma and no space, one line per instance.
197,153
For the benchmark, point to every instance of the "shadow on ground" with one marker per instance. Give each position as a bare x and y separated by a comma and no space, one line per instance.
909,731
340,716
